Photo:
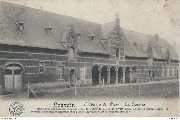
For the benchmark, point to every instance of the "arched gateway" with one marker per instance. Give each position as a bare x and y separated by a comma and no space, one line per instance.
120,75
95,75
13,77
112,75
104,74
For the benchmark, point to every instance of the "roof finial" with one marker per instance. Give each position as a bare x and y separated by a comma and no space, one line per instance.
117,18
117,15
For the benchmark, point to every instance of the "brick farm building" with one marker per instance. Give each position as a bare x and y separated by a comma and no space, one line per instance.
39,46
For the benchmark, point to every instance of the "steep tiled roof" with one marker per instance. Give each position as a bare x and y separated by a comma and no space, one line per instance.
160,44
142,42
34,34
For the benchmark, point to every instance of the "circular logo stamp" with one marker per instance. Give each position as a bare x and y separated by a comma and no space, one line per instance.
16,109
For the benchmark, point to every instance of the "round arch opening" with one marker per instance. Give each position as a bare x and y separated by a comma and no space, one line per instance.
95,75
127,75
112,75
120,75
13,77
104,74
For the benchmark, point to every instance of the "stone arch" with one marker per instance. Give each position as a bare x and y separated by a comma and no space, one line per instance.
104,73
112,75
134,74
95,75
13,77
120,74
127,75
13,63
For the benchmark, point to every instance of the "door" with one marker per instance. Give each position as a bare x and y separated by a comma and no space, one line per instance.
17,80
8,80
60,72
72,77
13,79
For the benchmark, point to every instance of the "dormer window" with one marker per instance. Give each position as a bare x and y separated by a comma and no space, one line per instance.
41,66
135,43
20,26
48,30
72,37
168,60
91,36
78,35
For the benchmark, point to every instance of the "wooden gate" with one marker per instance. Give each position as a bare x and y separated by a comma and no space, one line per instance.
13,79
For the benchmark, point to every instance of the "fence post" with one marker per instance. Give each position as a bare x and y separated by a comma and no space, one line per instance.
140,90
75,90
103,81
28,89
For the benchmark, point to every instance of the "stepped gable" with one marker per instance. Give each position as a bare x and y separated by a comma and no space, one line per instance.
142,41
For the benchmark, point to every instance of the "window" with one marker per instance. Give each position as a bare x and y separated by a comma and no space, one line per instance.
117,53
8,72
149,73
167,71
48,30
78,35
82,72
156,70
135,43
17,72
20,26
150,60
142,69
60,70
91,36
72,37
172,71
168,60
71,54
41,67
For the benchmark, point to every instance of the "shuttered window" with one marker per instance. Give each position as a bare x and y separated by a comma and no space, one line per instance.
41,66
60,71
117,53
82,72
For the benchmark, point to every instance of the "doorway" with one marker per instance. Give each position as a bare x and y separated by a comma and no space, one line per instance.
72,77
13,78
95,75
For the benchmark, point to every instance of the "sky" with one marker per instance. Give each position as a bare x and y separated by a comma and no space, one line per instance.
146,16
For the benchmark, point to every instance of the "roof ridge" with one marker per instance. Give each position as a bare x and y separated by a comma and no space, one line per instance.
47,12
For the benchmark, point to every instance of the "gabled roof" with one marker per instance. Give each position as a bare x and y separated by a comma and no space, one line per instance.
34,34
130,49
142,42
160,44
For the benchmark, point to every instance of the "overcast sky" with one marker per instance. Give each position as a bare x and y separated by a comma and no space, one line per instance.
146,16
